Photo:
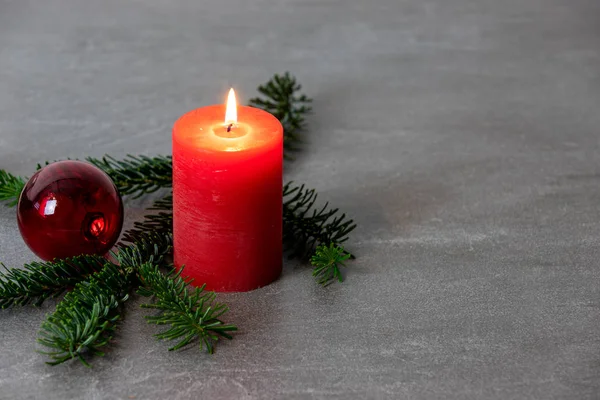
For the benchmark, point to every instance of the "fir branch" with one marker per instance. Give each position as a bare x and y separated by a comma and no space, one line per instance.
39,281
192,315
86,319
327,262
161,222
137,175
11,187
281,100
149,247
305,226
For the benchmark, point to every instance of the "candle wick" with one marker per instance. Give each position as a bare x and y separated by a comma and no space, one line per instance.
229,127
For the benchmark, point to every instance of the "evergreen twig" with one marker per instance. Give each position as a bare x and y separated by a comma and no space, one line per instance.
149,247
41,280
161,222
192,315
281,100
305,226
10,187
86,319
137,175
327,262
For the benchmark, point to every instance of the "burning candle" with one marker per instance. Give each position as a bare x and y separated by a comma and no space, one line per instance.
227,196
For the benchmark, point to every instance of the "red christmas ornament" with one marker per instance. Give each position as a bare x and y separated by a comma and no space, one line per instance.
70,208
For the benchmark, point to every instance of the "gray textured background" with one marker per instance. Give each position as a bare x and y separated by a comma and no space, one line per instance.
462,136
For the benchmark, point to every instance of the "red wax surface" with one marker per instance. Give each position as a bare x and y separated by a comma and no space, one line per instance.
69,208
227,198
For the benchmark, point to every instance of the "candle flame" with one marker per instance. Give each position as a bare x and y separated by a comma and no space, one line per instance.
231,109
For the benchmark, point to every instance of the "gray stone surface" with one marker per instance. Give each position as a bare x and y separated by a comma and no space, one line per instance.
462,135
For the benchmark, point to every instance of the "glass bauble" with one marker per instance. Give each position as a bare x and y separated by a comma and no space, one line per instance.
70,208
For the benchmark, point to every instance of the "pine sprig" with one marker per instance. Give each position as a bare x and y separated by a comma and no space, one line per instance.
150,247
86,319
281,100
192,315
41,280
305,226
161,222
137,175
10,187
327,262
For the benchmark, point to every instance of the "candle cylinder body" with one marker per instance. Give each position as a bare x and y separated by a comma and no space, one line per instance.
227,198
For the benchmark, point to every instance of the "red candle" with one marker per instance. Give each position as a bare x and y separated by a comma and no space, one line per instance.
227,196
